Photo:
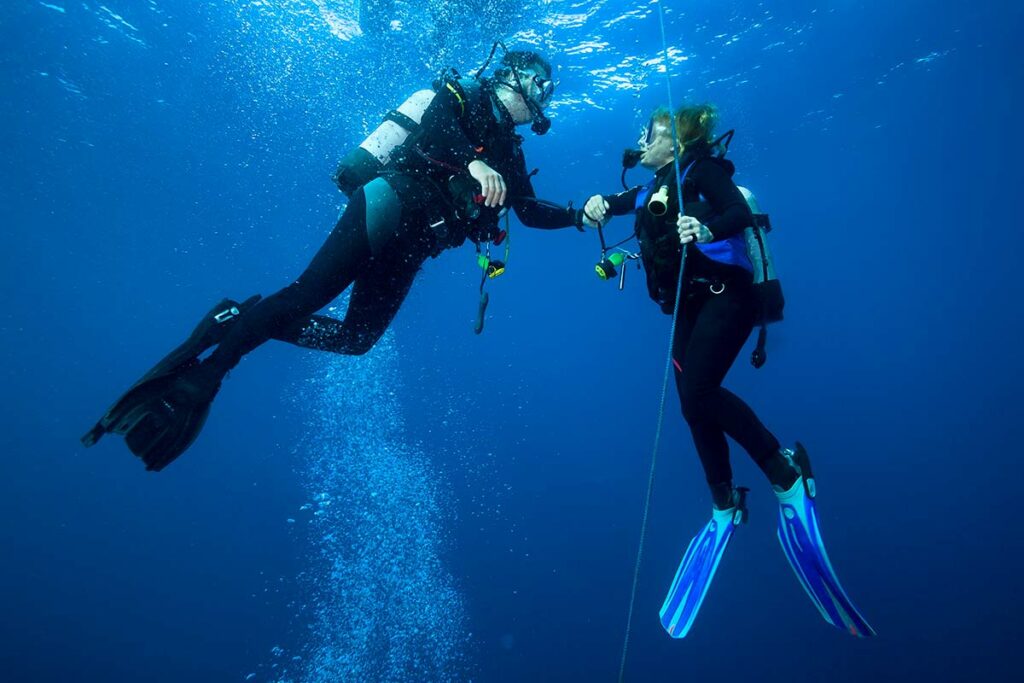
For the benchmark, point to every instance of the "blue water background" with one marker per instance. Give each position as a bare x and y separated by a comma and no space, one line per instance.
159,155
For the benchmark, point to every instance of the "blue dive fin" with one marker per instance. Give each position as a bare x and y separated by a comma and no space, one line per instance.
693,578
800,536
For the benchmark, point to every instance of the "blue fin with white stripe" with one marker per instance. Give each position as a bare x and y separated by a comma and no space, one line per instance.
800,536
697,569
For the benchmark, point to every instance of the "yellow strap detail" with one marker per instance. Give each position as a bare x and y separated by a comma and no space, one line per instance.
458,96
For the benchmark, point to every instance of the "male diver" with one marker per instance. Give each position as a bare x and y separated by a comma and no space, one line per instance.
727,287
435,177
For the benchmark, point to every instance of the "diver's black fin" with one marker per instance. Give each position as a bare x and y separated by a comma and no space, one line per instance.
168,412
135,414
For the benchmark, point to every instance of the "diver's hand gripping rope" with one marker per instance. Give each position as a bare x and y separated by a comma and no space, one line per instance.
668,360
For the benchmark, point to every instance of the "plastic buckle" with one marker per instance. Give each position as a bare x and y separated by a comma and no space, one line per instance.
226,315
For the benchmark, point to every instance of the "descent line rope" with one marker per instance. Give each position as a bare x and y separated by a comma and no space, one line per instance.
668,359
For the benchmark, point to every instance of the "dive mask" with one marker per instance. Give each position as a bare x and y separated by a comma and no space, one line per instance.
646,138
545,89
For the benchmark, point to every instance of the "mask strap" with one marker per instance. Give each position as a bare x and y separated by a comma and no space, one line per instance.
541,123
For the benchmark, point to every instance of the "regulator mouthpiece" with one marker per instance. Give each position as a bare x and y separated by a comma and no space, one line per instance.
631,157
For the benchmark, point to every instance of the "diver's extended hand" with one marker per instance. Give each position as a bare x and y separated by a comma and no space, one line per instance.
492,185
691,229
595,211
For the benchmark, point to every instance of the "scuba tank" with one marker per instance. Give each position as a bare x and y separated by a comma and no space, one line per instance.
365,162
766,283
767,288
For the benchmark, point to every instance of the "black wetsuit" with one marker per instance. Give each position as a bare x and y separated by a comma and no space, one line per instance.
716,315
392,225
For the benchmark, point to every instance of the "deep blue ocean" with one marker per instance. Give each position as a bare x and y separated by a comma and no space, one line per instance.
454,507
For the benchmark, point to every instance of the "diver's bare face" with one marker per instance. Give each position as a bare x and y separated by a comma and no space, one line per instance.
659,151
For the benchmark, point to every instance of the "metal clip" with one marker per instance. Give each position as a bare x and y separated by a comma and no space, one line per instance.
440,228
226,315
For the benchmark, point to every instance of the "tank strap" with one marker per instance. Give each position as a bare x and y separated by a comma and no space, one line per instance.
402,120
763,221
